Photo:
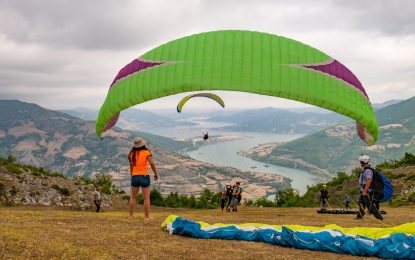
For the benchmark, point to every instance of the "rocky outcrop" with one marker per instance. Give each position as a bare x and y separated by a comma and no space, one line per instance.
26,188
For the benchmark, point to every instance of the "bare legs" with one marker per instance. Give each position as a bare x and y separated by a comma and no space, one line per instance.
146,194
133,201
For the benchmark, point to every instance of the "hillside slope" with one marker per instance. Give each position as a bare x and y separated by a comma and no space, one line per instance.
131,119
27,185
69,145
337,148
400,172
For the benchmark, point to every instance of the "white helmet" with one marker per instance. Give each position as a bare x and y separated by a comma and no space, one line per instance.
364,158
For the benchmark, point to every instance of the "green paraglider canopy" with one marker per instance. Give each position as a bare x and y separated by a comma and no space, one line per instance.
244,61
206,95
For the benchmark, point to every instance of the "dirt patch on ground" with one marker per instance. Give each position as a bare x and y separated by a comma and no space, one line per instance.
28,128
26,145
116,134
75,152
340,130
391,126
88,127
376,148
54,146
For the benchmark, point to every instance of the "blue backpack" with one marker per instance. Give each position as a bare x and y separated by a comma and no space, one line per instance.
381,186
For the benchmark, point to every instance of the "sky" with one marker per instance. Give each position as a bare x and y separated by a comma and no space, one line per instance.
63,54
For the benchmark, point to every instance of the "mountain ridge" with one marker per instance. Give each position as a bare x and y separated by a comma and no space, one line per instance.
277,120
62,143
336,148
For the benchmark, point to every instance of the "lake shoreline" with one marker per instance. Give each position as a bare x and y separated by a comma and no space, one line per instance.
229,154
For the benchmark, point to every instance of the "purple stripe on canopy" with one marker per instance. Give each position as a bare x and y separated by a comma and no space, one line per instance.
113,120
338,70
132,67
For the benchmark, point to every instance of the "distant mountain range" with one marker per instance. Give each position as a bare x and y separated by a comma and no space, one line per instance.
279,121
287,120
68,145
378,106
338,147
259,120
131,119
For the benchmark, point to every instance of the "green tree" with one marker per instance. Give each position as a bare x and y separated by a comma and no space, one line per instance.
11,159
104,182
156,198
287,197
206,200
173,200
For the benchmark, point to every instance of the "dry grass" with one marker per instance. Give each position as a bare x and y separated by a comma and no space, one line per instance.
40,232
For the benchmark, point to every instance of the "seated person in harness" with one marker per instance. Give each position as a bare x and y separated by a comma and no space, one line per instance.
205,136
366,191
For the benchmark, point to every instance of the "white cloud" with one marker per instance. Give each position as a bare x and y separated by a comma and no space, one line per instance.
65,53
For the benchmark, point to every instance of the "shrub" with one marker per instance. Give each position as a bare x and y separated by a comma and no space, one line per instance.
3,196
11,159
339,179
13,191
140,198
353,191
411,197
287,197
172,200
410,177
103,181
127,197
264,203
407,160
156,198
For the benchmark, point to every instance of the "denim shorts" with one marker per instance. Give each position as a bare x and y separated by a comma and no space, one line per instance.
140,181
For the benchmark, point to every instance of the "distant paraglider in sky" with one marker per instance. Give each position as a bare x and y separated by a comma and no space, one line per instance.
244,61
206,95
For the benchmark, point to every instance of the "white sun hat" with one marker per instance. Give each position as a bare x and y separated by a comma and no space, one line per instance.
364,158
139,142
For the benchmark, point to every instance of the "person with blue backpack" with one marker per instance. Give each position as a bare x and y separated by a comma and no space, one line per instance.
372,184
366,190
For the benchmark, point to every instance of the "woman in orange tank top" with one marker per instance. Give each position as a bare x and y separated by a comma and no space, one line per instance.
140,157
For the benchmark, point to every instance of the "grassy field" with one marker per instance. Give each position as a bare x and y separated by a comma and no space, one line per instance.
50,233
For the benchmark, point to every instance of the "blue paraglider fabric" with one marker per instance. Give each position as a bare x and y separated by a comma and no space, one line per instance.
394,245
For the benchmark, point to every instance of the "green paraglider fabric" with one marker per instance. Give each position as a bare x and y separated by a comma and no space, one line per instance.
244,61
206,95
